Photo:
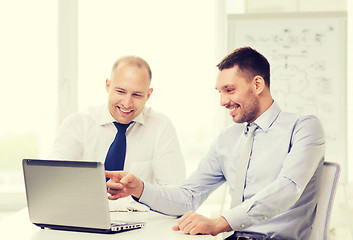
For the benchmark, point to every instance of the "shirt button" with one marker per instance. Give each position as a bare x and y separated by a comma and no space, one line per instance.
242,226
265,218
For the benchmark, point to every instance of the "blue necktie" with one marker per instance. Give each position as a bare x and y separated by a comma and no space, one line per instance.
116,154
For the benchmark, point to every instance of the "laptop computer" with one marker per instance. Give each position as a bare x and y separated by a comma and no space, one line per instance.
70,195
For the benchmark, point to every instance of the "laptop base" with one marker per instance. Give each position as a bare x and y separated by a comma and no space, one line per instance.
88,230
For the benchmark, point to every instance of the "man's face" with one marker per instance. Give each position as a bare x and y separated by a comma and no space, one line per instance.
238,95
128,92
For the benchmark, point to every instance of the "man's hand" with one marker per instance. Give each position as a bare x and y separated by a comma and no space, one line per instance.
193,223
123,184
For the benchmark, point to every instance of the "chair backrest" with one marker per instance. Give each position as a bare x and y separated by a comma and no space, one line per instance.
330,175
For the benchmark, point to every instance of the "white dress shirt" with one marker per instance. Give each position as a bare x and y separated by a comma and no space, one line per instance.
152,151
282,180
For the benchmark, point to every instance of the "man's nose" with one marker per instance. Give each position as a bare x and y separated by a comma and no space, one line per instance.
224,99
127,101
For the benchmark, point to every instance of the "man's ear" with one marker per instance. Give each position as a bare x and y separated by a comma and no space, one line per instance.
259,84
107,85
149,93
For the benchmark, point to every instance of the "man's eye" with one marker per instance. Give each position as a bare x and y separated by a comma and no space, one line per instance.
230,90
138,95
120,91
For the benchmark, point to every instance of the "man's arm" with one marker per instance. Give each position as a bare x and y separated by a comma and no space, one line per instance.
123,184
168,161
68,142
177,200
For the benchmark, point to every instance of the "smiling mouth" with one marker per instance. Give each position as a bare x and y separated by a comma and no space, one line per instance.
232,110
125,111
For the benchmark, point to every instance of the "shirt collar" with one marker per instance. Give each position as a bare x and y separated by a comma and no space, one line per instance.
268,117
106,117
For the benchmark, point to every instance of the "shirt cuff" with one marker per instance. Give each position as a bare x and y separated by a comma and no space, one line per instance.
238,218
148,195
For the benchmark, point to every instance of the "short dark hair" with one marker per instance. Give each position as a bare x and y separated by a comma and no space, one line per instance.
249,61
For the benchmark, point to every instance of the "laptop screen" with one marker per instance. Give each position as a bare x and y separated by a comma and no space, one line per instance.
66,193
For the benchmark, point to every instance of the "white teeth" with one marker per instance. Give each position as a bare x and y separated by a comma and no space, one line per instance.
124,111
236,106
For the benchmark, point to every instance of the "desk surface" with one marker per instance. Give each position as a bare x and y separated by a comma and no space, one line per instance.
158,226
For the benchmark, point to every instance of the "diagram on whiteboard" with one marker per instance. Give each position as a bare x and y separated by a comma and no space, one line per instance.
308,67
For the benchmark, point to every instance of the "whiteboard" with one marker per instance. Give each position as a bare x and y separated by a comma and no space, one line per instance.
307,53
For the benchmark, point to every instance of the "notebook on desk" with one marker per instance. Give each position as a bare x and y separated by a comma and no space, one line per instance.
70,195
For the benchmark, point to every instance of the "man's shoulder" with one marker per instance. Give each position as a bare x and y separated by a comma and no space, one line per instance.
153,116
310,124
89,114
300,124
299,118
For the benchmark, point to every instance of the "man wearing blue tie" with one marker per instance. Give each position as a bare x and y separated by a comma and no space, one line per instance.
271,159
124,133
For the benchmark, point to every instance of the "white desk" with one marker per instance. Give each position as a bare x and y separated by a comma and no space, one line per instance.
157,226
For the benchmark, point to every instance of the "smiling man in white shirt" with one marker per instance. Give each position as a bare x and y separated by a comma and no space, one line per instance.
152,147
278,195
